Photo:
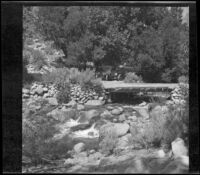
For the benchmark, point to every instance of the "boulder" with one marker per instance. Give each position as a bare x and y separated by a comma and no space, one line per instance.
53,101
122,117
39,90
143,104
95,103
110,107
132,118
79,147
123,141
57,115
178,148
91,114
45,89
161,153
106,114
95,156
92,151
80,107
26,91
101,98
119,128
87,116
143,112
62,114
25,96
71,103
117,111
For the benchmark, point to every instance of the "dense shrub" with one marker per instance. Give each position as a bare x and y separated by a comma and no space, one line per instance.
38,59
59,77
27,78
131,77
62,77
63,95
163,128
49,50
35,133
183,79
29,41
108,143
74,75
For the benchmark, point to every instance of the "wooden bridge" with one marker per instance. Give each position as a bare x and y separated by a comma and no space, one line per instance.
147,89
120,86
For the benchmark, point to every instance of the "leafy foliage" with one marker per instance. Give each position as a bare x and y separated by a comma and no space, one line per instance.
153,40
131,77
108,143
38,59
183,79
63,95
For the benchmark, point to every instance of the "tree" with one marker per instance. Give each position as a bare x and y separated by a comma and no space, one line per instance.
150,39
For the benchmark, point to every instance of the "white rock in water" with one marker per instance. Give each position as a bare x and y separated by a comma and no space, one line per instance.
71,103
45,89
53,101
142,104
25,91
80,107
133,118
79,147
161,154
178,148
101,98
185,160
95,103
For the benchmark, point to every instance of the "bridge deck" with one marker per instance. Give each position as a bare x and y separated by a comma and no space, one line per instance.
121,86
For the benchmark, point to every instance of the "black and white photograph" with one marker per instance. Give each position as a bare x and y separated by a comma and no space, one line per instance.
105,89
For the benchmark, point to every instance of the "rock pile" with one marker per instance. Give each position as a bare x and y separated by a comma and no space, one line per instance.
77,94
179,93
82,96
39,90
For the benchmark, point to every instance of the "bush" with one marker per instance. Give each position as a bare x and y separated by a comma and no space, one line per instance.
108,143
163,128
63,95
131,77
74,75
29,41
39,59
35,133
27,78
59,77
183,79
49,51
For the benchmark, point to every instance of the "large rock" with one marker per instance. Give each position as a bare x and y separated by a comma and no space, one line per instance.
61,114
95,156
117,111
45,89
95,103
143,112
119,128
87,116
39,90
106,114
71,103
123,141
178,148
80,107
53,101
26,91
79,147
122,117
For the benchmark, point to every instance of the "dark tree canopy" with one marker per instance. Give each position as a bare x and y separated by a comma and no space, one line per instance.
153,40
